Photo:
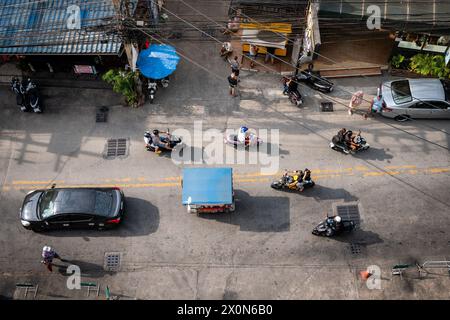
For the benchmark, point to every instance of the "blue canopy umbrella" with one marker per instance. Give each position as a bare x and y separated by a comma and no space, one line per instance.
158,61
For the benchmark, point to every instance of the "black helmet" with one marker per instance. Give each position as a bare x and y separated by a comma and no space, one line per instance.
156,132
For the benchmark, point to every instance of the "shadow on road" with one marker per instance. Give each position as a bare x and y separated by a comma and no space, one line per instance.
88,269
141,218
374,154
319,192
257,214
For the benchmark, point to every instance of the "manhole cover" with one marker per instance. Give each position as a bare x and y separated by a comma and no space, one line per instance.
112,261
349,213
116,147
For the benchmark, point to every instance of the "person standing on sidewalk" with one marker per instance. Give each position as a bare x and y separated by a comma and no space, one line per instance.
233,82
235,66
48,254
252,54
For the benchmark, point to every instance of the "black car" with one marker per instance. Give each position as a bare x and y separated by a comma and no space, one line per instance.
67,208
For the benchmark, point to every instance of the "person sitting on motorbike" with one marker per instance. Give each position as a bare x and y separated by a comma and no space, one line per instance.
244,135
335,223
354,143
157,143
348,139
295,181
290,86
307,175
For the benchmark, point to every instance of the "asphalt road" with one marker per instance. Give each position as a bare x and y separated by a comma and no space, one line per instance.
265,250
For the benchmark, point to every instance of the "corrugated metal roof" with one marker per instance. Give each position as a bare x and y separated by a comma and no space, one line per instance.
42,27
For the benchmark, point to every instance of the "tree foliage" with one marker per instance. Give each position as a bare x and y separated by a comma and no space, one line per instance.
124,83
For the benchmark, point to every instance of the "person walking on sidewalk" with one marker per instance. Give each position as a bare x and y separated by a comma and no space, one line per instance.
233,82
48,254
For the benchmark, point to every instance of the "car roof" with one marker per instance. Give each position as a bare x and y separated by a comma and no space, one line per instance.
427,89
76,200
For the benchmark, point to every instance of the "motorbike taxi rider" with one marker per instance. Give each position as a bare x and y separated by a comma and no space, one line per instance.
156,140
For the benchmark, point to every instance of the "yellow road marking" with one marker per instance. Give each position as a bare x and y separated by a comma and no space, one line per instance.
318,174
25,182
400,167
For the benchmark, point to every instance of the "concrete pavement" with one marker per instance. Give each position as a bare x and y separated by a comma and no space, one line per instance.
265,250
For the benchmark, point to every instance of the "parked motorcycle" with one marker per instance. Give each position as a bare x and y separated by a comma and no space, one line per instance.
18,89
152,87
288,179
33,97
315,81
164,137
164,82
226,50
329,227
232,139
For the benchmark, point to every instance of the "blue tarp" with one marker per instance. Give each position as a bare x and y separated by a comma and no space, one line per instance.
207,186
158,61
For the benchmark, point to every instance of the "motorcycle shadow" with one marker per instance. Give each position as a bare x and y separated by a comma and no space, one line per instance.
359,236
373,154
319,192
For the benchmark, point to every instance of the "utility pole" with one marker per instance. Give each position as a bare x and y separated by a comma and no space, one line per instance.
122,16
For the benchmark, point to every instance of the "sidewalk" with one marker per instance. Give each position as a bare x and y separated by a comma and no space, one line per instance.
48,79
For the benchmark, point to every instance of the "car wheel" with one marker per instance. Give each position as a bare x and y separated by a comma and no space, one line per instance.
402,118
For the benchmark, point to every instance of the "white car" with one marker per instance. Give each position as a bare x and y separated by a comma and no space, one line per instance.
416,98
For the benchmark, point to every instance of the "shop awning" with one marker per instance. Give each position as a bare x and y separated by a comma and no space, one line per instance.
58,27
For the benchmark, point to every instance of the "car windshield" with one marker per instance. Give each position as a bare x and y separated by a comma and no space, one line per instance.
401,92
88,201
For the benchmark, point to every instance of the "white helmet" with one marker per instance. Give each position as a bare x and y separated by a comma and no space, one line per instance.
337,219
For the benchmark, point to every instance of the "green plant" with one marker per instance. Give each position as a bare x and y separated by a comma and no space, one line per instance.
397,60
429,65
123,83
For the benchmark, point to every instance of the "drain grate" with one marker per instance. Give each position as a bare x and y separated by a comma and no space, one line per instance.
355,248
116,147
112,261
349,212
102,114
326,106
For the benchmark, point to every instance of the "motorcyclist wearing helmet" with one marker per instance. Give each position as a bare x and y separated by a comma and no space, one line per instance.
335,223
244,135
295,179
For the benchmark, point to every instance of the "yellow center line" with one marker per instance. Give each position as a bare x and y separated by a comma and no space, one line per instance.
127,182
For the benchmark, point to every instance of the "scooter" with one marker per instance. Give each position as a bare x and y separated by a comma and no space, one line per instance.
171,139
164,82
296,98
17,88
33,96
226,50
232,139
152,87
314,80
360,142
286,179
327,228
